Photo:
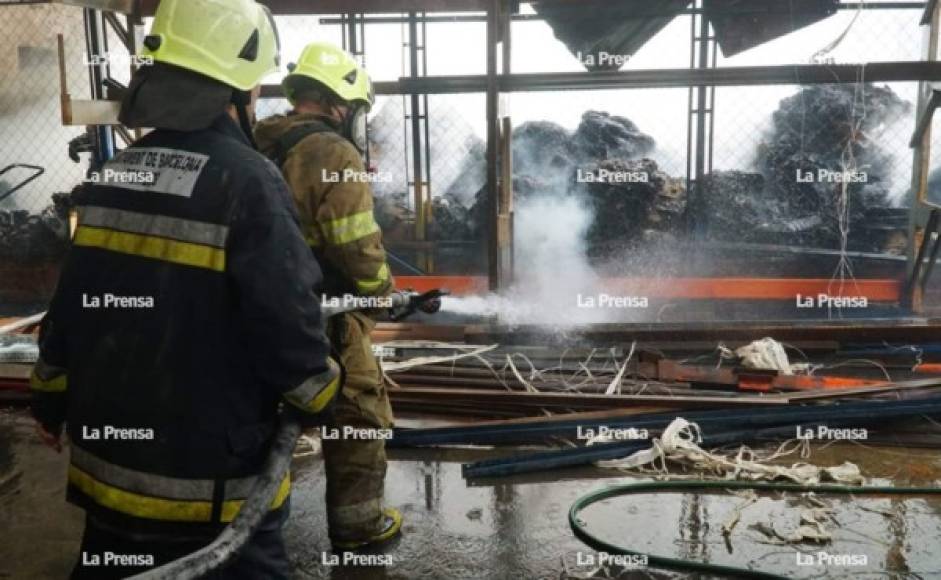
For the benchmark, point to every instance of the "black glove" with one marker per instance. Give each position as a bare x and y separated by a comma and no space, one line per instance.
430,306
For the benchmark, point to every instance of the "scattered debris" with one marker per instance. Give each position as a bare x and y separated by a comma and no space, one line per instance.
678,443
750,498
804,533
766,353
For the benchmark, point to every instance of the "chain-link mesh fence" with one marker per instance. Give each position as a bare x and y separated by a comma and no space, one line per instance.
762,139
30,118
809,166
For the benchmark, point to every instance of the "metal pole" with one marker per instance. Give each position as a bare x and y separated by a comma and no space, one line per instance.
507,252
703,44
429,262
493,147
901,71
743,429
921,167
690,115
416,115
98,71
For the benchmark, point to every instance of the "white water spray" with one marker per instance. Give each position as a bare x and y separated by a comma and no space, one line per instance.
551,268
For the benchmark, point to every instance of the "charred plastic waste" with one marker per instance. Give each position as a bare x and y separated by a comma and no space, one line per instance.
32,246
30,237
821,170
824,140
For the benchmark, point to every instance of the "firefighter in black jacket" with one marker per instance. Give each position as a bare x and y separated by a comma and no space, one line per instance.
185,313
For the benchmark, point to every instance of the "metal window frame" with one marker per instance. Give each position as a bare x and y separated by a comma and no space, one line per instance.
923,218
498,14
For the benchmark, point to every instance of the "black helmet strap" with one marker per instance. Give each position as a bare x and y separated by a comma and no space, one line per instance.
241,100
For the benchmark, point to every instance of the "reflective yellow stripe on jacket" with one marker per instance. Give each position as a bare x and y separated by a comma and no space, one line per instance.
157,497
372,285
176,240
350,228
314,394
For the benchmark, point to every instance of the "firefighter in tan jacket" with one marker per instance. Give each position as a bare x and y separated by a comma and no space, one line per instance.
319,148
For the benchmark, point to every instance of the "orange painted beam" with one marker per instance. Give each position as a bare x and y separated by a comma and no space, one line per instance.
458,285
751,288
804,383
875,290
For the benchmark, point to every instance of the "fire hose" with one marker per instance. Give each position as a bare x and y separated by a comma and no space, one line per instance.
579,528
238,532
258,503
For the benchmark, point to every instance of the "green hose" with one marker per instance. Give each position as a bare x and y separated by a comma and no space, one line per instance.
677,564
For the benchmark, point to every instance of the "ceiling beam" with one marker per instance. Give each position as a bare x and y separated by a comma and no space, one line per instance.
298,7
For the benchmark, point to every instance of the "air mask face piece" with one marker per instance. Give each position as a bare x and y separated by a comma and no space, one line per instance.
355,127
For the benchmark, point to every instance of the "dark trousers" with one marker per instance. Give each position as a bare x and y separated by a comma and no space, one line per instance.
263,557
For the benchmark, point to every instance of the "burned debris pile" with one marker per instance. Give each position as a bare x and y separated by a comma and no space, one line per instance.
602,162
601,136
825,157
648,207
825,141
35,237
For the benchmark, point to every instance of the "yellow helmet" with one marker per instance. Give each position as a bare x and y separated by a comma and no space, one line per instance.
334,68
232,41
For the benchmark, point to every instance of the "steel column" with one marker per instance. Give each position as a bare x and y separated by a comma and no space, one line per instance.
703,53
417,122
493,147
96,47
914,299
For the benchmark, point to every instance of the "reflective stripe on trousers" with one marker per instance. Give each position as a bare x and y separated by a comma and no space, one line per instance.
158,497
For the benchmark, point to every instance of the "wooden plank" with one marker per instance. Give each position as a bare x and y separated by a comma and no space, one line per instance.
15,371
88,112
388,331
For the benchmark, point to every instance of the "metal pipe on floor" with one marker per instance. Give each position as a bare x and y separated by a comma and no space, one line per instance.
563,427
735,429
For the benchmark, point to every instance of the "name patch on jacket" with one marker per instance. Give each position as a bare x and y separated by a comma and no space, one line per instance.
156,169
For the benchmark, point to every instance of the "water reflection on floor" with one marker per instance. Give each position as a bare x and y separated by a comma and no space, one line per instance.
517,527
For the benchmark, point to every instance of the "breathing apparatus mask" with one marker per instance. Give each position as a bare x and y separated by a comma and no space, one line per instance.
353,126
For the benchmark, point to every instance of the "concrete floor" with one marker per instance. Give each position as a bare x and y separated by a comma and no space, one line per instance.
516,529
